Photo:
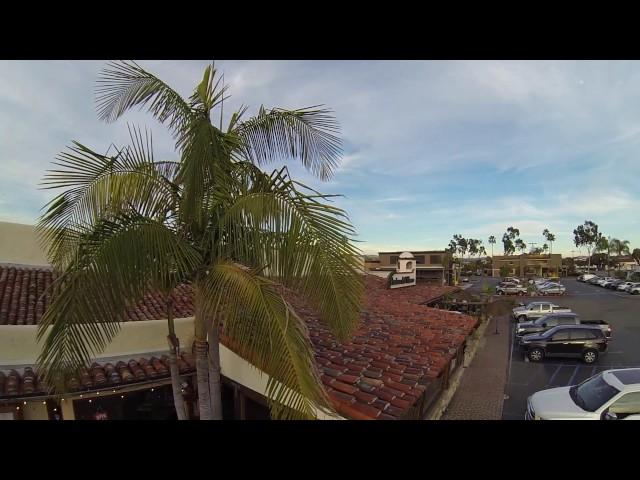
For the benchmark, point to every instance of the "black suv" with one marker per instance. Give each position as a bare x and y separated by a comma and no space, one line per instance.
571,341
546,322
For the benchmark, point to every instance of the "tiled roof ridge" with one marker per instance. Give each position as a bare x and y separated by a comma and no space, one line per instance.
27,382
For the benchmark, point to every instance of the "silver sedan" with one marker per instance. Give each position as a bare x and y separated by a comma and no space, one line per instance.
553,289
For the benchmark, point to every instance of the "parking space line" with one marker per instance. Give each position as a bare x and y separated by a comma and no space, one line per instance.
575,372
553,376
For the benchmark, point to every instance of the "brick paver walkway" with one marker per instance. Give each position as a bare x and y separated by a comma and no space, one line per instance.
481,391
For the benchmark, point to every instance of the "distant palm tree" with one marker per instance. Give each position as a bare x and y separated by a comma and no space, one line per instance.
549,237
621,247
127,223
492,241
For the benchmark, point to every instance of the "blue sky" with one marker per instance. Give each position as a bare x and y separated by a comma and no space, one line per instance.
431,149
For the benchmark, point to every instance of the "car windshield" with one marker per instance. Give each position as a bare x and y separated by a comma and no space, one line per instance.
592,393
541,320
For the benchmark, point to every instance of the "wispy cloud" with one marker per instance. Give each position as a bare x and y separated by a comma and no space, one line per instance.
431,148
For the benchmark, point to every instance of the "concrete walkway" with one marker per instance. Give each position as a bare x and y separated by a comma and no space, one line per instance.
480,394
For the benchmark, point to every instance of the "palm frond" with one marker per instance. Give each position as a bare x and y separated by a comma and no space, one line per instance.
299,240
98,186
123,85
117,263
308,135
265,330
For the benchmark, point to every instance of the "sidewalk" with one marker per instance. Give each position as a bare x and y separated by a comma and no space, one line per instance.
481,391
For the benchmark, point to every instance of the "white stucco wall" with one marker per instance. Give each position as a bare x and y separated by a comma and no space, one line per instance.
19,244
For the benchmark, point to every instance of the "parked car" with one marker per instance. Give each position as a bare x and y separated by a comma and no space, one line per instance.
511,289
554,319
593,280
511,280
535,310
612,284
465,279
635,289
552,289
603,281
585,277
572,341
609,395
625,286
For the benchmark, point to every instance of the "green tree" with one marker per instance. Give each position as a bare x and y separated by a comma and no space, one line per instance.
636,255
126,224
587,236
504,271
520,245
508,240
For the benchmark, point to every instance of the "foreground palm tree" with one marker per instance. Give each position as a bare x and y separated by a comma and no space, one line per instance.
127,224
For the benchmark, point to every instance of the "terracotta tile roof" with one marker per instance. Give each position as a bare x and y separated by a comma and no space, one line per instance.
100,375
23,298
400,347
380,373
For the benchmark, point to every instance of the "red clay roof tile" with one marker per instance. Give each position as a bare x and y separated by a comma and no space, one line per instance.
399,341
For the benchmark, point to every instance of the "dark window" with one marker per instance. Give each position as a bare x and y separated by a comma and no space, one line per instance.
552,322
420,259
393,260
583,334
255,410
561,336
566,321
435,259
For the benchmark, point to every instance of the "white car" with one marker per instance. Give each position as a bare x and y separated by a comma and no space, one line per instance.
635,289
585,277
604,280
623,287
610,395
552,289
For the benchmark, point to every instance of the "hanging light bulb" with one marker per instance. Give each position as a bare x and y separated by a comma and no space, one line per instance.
113,391
17,408
55,409
44,403
80,395
152,389
24,403
90,400
97,393
121,396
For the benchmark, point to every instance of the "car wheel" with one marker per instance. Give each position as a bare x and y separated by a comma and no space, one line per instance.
536,355
500,292
590,356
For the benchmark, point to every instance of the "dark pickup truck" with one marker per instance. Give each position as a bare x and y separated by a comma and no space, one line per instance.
582,341
549,321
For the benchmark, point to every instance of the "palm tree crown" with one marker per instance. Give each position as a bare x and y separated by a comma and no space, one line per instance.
126,223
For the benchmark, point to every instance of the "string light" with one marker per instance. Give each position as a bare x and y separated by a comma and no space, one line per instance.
44,403
97,393
63,399
90,400
55,409
80,395
152,389
113,391
121,396
24,403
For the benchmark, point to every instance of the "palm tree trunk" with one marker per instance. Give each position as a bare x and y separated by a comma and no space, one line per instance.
178,399
202,375
214,372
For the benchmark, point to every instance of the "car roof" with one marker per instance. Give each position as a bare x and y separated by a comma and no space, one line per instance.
579,326
623,379
560,314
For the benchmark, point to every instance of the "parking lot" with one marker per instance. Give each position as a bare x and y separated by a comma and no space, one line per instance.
619,309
